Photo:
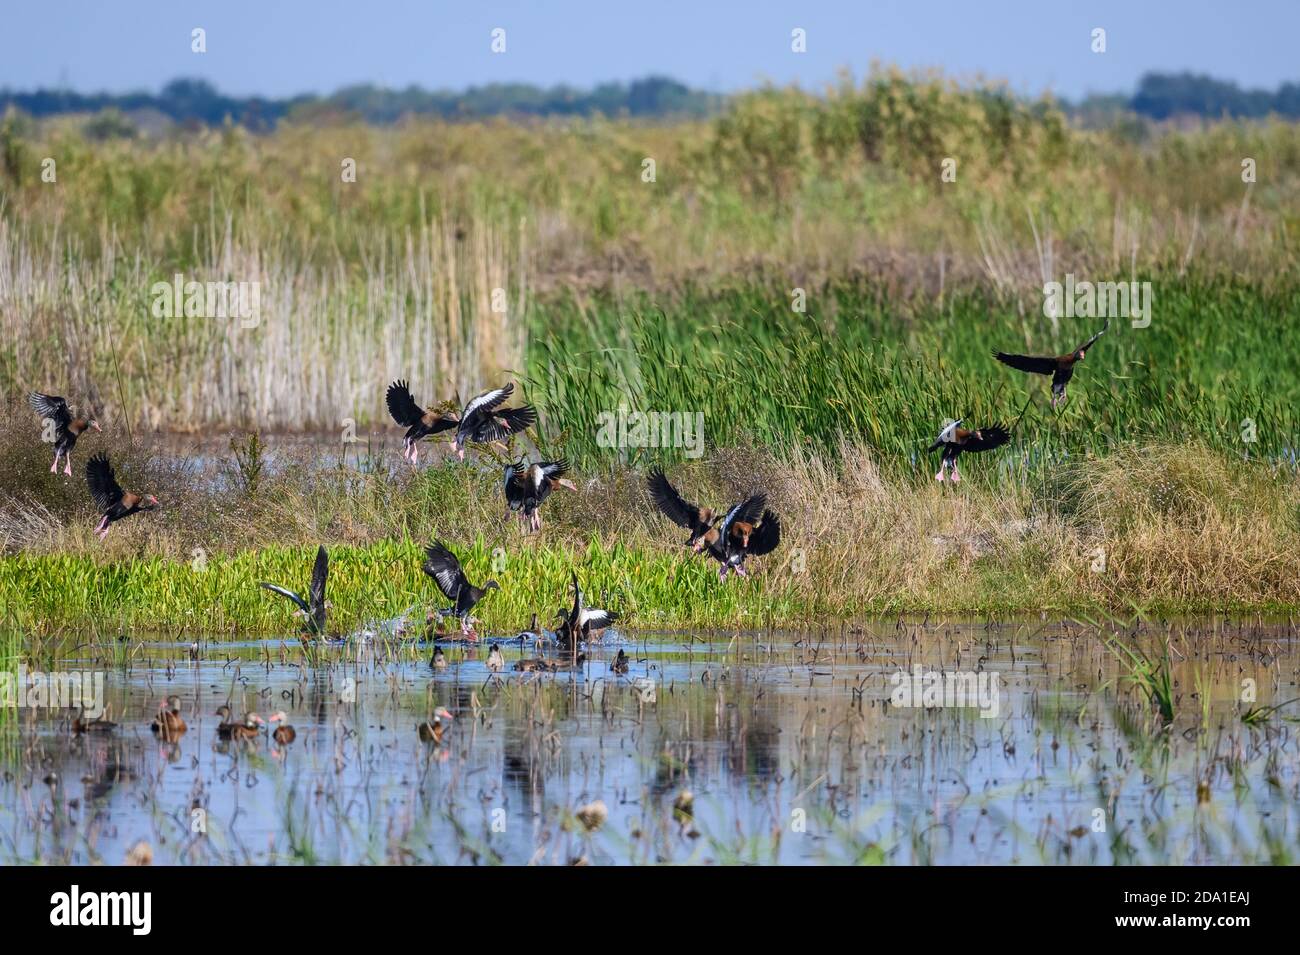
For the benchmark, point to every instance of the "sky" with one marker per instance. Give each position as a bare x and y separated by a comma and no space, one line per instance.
283,47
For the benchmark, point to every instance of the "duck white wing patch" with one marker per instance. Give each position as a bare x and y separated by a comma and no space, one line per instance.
488,400
596,619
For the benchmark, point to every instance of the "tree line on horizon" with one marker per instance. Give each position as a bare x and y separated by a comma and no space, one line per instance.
189,101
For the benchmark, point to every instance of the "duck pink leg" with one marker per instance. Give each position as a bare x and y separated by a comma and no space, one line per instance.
102,530
943,469
956,478
67,464
54,468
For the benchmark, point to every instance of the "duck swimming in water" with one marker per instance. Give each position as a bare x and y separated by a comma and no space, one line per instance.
439,660
550,665
620,663
169,723
249,730
432,731
98,725
284,734
495,661
224,727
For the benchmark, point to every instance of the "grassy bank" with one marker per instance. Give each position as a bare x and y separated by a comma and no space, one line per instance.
1158,528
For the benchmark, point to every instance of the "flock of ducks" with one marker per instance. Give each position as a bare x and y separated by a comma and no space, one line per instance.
169,725
484,421
746,529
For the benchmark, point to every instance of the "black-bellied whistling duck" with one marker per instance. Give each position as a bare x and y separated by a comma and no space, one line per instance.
680,511
484,421
67,429
743,533
548,665
620,663
954,439
417,422
432,731
581,622
113,503
314,608
250,729
169,723
98,725
226,724
439,659
1061,368
442,565
284,734
527,487
533,633
495,661
592,623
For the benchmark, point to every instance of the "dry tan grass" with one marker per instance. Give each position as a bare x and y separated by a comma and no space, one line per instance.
421,308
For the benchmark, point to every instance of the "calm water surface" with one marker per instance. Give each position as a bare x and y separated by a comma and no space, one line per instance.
718,748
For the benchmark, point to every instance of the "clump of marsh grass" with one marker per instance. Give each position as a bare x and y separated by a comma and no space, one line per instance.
248,461
1153,678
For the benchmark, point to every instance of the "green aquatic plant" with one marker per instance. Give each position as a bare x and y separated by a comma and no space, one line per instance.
1152,677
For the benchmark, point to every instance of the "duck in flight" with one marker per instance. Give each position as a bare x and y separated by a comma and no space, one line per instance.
417,422
1061,368
698,520
484,421
67,429
442,565
954,439
749,529
526,487
314,608
114,504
